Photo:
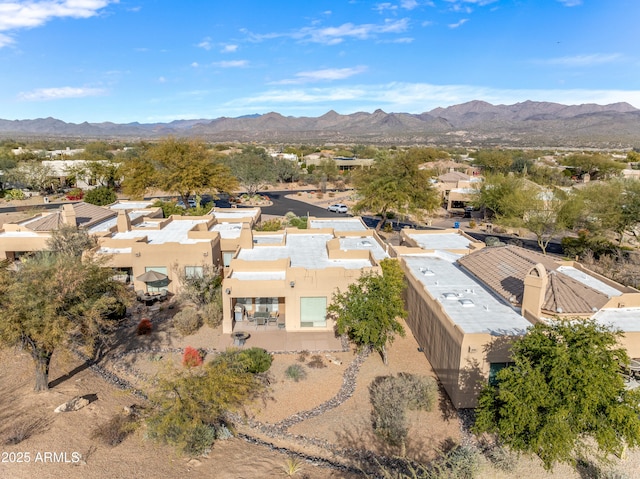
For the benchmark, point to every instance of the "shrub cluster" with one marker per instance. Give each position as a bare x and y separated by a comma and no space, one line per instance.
251,360
115,430
187,321
191,357
296,372
144,327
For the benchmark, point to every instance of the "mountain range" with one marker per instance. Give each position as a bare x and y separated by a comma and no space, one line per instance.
475,123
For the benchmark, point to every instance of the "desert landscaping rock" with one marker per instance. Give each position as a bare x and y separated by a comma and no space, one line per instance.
74,404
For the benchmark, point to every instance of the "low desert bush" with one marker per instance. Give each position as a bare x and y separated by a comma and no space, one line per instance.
270,225
187,321
14,194
292,466
191,357
212,312
316,362
502,458
392,396
115,430
22,429
472,224
461,462
296,372
258,360
144,327
303,355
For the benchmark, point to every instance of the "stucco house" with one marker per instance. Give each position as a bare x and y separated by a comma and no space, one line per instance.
467,303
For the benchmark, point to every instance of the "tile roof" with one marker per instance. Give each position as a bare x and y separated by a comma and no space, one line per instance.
504,268
86,215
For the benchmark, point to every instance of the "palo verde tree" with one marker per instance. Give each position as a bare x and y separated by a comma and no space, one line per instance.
563,395
395,183
368,312
57,299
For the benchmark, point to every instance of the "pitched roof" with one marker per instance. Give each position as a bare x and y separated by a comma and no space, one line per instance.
86,215
453,177
504,268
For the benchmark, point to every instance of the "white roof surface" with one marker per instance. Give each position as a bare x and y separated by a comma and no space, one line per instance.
350,224
174,232
20,234
365,243
228,230
268,239
625,319
466,302
305,251
589,280
236,213
131,205
440,241
111,222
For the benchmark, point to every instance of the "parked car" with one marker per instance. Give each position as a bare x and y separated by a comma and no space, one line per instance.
192,203
338,208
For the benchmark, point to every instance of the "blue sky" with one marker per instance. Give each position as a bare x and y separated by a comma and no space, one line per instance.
163,60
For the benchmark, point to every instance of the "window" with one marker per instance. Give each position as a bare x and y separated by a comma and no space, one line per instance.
313,312
494,369
193,271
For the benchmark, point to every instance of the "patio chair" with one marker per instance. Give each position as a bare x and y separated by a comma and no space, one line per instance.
140,295
164,294
261,321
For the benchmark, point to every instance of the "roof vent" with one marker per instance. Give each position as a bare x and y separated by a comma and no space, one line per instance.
466,303
364,243
559,310
450,296
427,272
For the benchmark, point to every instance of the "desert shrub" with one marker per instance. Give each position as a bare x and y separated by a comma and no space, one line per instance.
144,327
14,194
320,195
502,458
296,372
303,355
388,228
316,362
187,321
212,312
23,429
461,462
191,357
331,194
300,223
258,360
270,225
493,241
75,194
292,466
472,224
115,430
392,396
100,196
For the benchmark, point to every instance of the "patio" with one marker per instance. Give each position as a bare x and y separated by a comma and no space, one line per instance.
277,340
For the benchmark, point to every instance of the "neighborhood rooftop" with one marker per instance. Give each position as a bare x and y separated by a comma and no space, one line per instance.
440,241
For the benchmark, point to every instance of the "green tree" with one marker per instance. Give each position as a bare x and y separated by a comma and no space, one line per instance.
286,170
253,167
56,300
190,410
101,196
563,393
394,183
183,167
31,174
596,165
368,312
494,161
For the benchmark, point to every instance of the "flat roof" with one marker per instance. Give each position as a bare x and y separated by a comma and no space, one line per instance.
111,222
349,224
131,205
439,241
268,239
21,234
469,305
228,230
625,319
175,231
589,280
236,213
304,251
364,243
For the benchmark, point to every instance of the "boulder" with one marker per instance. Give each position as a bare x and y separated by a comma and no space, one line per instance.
74,404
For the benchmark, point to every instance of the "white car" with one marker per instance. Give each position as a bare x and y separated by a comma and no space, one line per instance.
338,208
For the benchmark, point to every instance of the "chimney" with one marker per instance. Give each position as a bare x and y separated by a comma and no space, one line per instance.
124,222
69,215
535,287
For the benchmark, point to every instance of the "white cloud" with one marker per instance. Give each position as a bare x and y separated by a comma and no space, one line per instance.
229,48
195,64
43,94
414,97
328,74
232,64
381,7
570,3
20,14
583,60
5,40
458,24
408,4
336,35
162,80
205,43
